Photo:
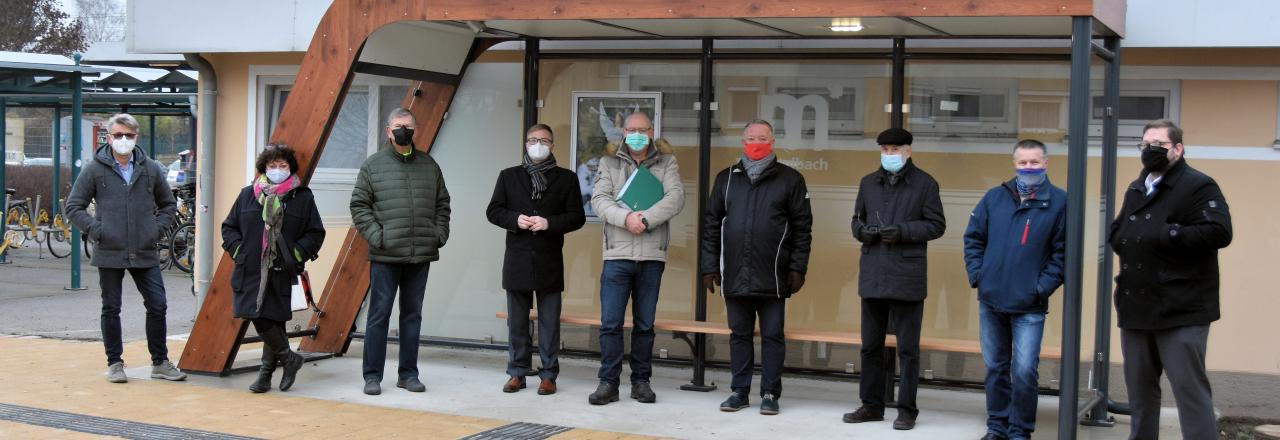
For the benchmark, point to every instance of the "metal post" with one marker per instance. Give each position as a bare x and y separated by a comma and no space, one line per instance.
705,97
57,159
1077,172
531,48
899,81
4,154
151,135
1097,414
77,118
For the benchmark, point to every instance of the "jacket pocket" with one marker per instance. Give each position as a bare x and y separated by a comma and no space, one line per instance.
1180,291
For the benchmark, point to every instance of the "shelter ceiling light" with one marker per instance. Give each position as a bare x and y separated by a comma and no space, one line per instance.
846,24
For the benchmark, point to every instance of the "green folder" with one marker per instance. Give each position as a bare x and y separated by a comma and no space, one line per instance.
641,191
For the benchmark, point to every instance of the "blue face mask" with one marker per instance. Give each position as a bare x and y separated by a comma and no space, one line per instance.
892,162
277,175
1031,176
637,141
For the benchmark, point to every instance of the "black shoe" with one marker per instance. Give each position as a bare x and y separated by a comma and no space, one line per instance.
412,384
292,362
864,414
769,405
735,402
994,436
642,392
604,394
905,421
372,387
263,383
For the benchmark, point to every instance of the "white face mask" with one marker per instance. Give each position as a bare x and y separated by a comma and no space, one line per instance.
538,151
122,146
277,175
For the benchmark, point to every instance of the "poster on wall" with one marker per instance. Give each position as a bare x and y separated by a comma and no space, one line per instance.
597,121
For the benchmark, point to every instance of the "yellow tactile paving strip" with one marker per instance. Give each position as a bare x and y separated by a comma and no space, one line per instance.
67,376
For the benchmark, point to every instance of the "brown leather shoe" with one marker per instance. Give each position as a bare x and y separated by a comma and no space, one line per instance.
514,384
548,386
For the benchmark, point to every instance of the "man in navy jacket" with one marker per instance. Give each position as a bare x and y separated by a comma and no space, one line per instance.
1014,250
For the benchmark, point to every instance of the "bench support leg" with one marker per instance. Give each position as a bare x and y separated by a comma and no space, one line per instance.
697,347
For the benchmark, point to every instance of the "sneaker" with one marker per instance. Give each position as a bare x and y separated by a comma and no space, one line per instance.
769,405
372,387
994,436
642,392
167,371
864,414
115,373
735,402
412,384
604,394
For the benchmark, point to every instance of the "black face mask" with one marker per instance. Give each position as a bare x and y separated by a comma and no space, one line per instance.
1155,159
403,136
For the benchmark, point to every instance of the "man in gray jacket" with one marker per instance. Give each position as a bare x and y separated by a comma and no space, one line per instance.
401,206
133,203
635,254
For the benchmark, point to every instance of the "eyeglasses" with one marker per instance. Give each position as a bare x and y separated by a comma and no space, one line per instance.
1144,145
531,141
635,130
124,135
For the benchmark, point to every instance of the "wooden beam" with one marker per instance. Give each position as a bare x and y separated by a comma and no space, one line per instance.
731,9
304,124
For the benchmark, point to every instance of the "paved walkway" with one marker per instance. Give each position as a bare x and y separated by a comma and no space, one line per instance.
463,398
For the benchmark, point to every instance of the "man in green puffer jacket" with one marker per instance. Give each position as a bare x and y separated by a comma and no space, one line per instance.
401,206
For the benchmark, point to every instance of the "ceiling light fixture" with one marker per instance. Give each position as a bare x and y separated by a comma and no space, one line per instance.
846,24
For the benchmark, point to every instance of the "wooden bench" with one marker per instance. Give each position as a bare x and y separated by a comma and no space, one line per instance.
681,329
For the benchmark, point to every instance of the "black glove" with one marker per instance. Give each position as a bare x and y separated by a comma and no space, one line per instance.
890,234
870,234
796,280
710,281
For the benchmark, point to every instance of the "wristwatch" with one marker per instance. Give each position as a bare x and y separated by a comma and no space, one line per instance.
644,221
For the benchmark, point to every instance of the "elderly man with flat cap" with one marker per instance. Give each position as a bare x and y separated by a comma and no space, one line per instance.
897,212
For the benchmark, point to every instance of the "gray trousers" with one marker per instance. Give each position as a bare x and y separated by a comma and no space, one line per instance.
1179,352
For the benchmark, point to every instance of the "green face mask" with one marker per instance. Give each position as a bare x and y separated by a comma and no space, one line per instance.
637,141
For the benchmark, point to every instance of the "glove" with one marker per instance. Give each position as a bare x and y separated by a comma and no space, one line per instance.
870,234
796,280
710,281
890,234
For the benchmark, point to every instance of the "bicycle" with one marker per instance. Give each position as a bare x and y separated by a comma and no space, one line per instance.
17,213
58,232
181,245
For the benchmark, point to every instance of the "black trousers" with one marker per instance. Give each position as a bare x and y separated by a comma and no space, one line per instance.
1179,352
905,316
742,355
520,352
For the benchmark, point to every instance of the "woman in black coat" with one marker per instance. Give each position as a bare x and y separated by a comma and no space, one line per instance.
537,203
262,291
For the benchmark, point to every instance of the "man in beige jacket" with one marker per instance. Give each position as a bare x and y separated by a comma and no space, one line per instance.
635,254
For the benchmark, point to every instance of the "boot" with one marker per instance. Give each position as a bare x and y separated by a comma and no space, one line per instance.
292,363
263,384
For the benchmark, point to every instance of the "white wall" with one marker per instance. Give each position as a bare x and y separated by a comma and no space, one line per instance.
181,26
1202,23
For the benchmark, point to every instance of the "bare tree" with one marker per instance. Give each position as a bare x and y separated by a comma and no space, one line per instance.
104,20
39,26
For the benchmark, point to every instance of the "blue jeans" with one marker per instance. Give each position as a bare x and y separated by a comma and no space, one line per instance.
1011,350
151,285
637,281
384,280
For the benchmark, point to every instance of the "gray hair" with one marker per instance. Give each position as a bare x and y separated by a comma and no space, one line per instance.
759,122
400,113
124,119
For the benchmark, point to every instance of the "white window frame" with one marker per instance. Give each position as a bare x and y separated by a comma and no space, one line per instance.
1131,129
930,127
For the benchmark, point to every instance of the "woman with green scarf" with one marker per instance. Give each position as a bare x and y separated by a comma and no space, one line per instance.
271,232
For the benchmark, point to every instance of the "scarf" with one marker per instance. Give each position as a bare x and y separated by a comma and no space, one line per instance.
756,167
1026,190
538,173
271,196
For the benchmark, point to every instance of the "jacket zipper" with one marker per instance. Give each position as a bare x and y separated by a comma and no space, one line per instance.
777,283
1026,230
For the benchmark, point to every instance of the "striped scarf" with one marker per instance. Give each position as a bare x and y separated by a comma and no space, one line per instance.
271,196
538,173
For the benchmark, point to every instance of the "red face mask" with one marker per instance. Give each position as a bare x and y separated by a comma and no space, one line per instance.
757,151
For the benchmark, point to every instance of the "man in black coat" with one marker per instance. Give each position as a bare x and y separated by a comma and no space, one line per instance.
537,203
897,212
757,235
1167,236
